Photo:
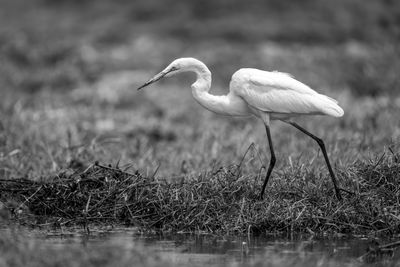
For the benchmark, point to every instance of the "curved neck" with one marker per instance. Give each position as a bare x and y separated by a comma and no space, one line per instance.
201,88
203,75
224,104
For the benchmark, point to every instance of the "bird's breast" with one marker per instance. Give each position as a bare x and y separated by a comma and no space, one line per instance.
237,106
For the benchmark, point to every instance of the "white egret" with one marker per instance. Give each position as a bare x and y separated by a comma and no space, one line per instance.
266,95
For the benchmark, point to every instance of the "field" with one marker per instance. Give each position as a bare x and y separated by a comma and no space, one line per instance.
68,77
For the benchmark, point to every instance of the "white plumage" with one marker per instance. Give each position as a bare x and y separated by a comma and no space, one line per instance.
280,95
267,95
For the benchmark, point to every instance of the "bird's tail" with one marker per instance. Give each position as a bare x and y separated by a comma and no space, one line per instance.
329,106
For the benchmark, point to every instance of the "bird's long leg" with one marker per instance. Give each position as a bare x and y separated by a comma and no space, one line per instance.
322,146
272,161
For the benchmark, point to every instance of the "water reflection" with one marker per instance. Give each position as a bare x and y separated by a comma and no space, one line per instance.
210,250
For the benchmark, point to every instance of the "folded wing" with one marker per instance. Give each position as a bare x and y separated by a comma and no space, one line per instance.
277,92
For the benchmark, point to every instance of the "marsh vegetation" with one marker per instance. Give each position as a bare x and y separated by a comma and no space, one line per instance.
68,75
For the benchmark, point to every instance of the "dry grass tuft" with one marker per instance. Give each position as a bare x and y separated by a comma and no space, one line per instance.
219,202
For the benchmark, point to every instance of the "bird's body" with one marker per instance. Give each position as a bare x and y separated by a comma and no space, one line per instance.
264,94
280,95
256,92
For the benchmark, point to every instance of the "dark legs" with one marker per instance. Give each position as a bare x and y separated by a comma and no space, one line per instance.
322,146
271,163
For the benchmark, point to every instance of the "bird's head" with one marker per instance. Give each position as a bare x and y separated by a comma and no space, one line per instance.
175,67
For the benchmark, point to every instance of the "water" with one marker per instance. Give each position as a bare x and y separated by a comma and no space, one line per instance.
210,250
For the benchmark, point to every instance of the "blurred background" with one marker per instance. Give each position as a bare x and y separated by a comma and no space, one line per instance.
69,71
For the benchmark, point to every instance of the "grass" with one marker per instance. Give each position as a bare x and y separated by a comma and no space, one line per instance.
68,73
222,201
68,100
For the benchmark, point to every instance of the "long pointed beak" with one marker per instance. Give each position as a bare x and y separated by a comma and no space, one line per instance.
154,79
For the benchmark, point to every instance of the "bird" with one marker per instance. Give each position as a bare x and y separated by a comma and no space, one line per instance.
267,95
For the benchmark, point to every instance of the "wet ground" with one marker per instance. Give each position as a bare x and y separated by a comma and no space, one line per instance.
209,250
